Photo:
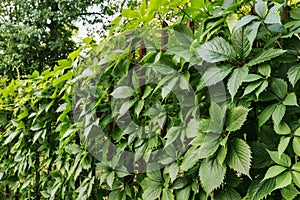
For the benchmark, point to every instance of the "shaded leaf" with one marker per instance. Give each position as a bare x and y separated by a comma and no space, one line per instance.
260,189
122,92
261,8
289,192
211,168
228,193
210,145
279,87
245,20
236,80
265,56
264,69
273,17
278,113
214,75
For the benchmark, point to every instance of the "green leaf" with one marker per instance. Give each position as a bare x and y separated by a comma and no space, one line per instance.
197,4
252,78
260,189
294,74
289,192
61,108
183,193
190,158
152,189
23,114
279,87
251,87
192,129
228,193
73,149
241,43
211,168
296,178
11,135
296,166
63,78
274,171
217,114
261,8
273,17
284,142
290,100
122,92
169,87
264,69
282,128
116,195
28,180
296,145
261,88
236,118
236,80
252,30
125,107
283,180
179,183
278,113
180,51
222,153
210,145
167,195
266,114
295,13
172,135
245,20
232,20
216,50
184,83
173,170
214,75
110,179
297,132
239,156
139,107
147,91
283,160
261,158
265,56
155,175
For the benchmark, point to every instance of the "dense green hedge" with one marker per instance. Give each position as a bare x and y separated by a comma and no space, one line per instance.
65,132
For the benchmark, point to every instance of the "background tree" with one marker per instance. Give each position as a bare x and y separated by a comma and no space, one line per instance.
35,34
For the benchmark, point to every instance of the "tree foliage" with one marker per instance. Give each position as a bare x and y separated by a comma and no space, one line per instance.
35,34
59,128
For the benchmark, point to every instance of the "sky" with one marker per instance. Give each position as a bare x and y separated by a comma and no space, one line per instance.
88,30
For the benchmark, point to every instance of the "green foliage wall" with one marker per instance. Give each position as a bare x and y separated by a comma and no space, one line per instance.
246,147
